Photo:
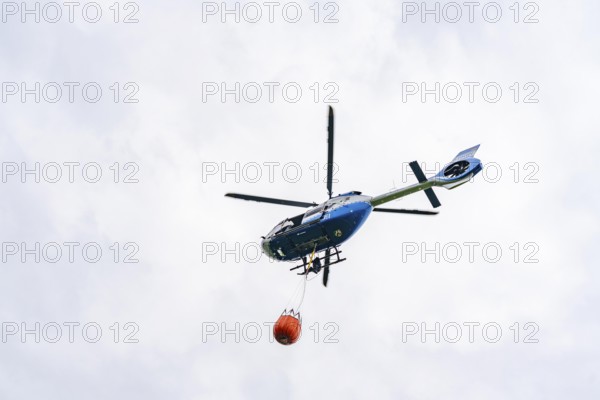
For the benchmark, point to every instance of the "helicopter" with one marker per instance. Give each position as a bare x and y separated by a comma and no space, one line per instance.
318,232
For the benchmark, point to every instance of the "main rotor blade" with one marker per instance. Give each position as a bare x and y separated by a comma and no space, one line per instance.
330,127
403,211
271,200
326,270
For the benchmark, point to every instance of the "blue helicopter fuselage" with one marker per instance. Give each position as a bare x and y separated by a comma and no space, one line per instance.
327,225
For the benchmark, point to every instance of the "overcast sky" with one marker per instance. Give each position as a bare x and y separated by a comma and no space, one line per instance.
169,143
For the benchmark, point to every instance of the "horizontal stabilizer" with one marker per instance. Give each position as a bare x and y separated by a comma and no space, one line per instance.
435,203
416,168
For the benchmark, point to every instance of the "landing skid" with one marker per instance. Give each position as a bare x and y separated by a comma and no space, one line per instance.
315,266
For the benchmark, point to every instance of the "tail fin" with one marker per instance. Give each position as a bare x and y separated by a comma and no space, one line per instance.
460,170
465,154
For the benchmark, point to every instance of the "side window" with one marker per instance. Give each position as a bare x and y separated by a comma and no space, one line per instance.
313,214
